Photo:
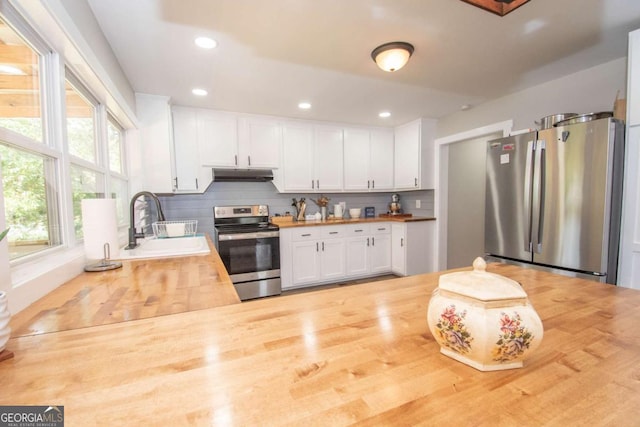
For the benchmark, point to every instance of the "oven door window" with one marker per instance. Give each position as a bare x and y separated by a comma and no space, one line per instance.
251,255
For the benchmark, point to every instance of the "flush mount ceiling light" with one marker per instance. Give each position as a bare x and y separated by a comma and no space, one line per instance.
384,114
499,7
199,92
304,105
392,56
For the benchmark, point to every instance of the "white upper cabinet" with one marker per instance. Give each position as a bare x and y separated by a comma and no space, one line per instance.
356,159
368,159
217,138
311,158
259,143
328,159
414,155
297,157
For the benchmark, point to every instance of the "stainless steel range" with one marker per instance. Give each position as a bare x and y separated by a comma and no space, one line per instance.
249,246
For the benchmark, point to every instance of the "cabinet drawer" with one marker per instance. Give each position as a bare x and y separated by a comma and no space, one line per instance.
306,233
381,228
332,231
357,229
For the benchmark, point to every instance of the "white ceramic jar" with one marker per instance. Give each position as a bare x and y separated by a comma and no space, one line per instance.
483,319
5,316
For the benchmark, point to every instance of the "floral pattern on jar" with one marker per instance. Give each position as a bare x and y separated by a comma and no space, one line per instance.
514,338
452,331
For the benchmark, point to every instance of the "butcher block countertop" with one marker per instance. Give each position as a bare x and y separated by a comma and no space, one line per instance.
332,221
359,354
142,288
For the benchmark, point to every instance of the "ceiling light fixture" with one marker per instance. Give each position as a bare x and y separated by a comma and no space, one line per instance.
205,42
392,56
384,114
304,105
499,7
199,92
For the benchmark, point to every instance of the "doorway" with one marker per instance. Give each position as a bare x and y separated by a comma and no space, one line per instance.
460,201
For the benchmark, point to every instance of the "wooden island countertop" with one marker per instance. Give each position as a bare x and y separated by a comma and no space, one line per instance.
359,354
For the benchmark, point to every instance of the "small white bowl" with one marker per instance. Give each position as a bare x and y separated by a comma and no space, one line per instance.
355,212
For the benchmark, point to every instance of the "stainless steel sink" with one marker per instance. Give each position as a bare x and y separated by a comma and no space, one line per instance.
162,248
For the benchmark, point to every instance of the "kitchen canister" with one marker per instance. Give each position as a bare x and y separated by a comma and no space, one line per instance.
5,316
483,319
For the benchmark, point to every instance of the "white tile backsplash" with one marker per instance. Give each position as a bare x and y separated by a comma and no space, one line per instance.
200,206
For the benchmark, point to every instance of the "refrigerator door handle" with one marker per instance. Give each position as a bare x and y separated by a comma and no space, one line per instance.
538,196
527,196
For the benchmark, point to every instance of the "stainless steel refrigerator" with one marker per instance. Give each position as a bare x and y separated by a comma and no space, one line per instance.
553,198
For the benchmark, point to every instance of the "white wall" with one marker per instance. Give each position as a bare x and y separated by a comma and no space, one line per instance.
590,90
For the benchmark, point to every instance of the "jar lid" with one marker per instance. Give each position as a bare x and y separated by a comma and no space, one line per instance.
481,285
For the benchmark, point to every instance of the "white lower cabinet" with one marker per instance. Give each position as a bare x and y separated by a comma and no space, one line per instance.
330,253
317,255
412,247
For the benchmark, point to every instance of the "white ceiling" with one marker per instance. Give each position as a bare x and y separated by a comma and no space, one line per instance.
274,53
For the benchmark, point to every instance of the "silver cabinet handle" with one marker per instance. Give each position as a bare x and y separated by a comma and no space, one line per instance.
368,186
382,229
402,242
249,160
196,183
313,184
333,232
367,241
305,235
358,231
176,184
373,184
317,248
235,159
415,181
317,184
373,241
322,246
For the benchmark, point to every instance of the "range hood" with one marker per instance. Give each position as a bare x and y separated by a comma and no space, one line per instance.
242,175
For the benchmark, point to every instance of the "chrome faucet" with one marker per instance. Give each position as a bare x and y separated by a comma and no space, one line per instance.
133,235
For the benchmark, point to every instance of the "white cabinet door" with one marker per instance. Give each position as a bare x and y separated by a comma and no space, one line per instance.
358,255
407,156
381,159
332,259
156,145
185,140
414,155
298,150
398,249
305,262
217,139
356,159
380,248
259,145
328,159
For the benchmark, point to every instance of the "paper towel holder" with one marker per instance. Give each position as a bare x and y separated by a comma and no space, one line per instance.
105,264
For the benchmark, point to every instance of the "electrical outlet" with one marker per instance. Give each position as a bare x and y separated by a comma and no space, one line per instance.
418,204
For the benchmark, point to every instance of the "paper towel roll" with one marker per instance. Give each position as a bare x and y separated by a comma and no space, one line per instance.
100,226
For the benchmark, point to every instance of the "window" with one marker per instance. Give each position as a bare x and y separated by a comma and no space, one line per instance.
19,85
114,136
46,171
30,201
81,129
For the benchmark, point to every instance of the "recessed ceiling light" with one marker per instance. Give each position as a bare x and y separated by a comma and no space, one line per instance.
384,114
199,92
206,42
304,105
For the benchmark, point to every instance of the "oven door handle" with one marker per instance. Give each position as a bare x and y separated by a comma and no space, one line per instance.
248,236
